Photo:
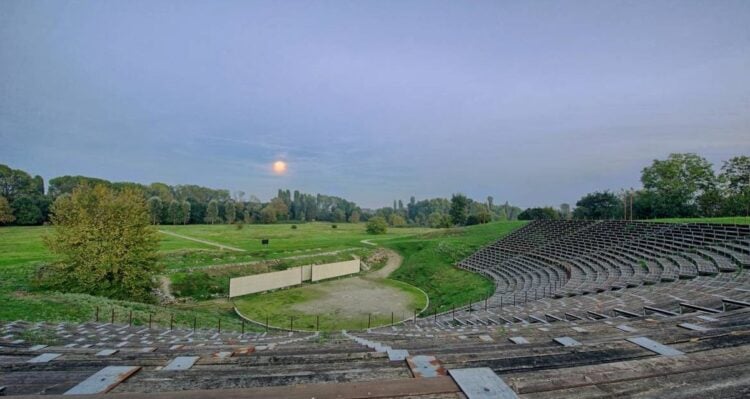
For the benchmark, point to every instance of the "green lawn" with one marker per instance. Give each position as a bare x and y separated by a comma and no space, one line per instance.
429,259
22,250
429,256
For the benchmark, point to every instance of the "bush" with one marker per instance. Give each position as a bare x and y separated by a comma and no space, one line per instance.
239,225
294,227
105,245
333,226
377,225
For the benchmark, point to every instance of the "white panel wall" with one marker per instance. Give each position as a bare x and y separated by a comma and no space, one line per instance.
331,270
264,282
306,272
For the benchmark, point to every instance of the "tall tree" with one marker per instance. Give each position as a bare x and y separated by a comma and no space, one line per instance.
735,179
185,212
678,183
546,213
598,205
565,211
6,213
27,210
155,209
354,218
230,212
458,212
212,212
175,212
105,244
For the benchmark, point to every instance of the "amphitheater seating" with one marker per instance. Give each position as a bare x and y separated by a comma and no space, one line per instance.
582,309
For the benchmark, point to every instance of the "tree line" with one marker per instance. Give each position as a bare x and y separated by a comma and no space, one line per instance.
459,210
24,201
680,186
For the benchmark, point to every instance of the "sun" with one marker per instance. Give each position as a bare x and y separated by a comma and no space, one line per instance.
279,167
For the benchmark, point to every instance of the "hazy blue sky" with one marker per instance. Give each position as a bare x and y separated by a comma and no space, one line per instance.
531,102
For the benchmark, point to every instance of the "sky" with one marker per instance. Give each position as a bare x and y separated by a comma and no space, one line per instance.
535,103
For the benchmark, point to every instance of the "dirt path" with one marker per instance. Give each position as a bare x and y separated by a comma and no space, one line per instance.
394,261
221,246
166,288
355,296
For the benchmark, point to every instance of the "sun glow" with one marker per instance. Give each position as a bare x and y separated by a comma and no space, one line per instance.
279,167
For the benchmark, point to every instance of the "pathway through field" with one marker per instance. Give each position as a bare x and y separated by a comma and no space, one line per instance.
222,246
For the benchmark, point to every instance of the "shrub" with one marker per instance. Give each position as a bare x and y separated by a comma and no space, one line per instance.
294,227
333,226
377,225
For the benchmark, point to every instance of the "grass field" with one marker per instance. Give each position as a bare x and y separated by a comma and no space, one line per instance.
22,250
428,255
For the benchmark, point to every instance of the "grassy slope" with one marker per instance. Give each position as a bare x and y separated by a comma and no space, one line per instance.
429,259
728,220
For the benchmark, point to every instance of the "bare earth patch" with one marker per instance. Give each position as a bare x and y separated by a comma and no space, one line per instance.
356,296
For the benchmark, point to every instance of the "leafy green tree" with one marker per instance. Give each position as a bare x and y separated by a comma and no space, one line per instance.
280,209
354,218
735,181
546,213
185,212
458,212
16,182
6,213
268,215
105,244
439,220
175,212
27,210
598,205
230,212
154,209
66,184
678,183
396,220
377,225
565,211
212,212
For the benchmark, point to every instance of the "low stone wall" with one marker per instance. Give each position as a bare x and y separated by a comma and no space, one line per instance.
294,276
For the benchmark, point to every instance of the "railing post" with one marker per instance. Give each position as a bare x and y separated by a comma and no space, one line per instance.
415,316
97,313
195,322
291,323
171,322
149,321
453,312
317,322
243,327
113,316
391,317
219,330
485,303
369,319
130,318
266,323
